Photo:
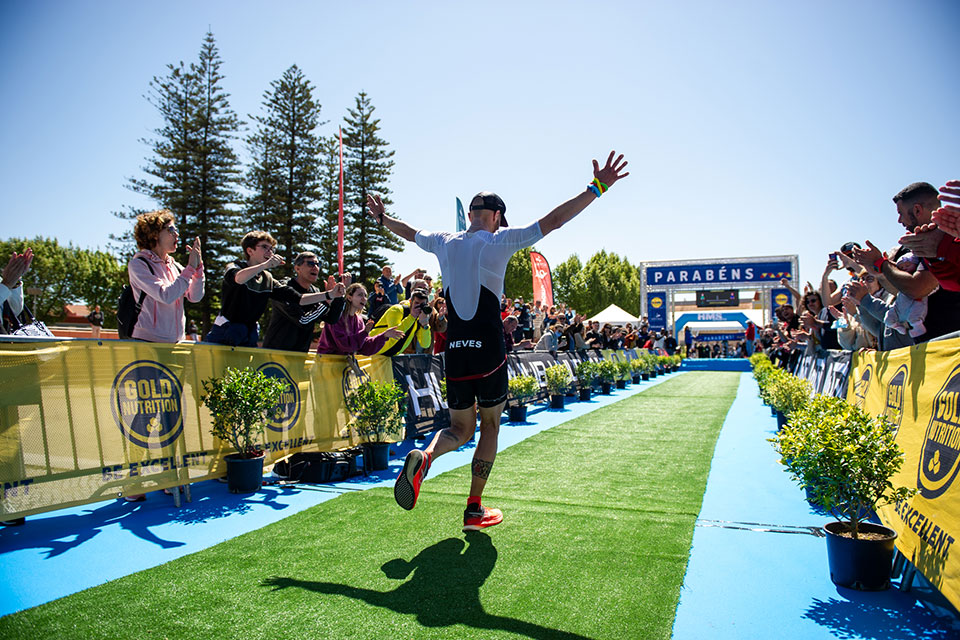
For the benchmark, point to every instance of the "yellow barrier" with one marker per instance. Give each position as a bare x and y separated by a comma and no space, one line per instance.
82,421
919,389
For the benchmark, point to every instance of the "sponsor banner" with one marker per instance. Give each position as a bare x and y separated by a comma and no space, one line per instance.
780,297
657,310
719,273
719,337
827,371
420,375
82,421
542,283
918,388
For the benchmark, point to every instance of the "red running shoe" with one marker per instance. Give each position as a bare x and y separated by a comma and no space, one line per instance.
414,471
475,519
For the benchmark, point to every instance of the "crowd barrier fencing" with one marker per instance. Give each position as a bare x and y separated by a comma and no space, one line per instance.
83,421
918,389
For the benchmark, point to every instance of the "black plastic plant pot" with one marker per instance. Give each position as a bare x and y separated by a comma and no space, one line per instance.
244,475
773,411
377,454
621,384
781,420
636,379
585,394
605,388
860,564
653,374
518,413
556,401
645,376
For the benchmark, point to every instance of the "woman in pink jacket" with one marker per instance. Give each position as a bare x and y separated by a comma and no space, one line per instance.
153,271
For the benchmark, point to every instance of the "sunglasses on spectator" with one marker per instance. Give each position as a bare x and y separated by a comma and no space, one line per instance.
311,263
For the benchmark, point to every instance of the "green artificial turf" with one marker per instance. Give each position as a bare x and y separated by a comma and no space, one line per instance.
598,519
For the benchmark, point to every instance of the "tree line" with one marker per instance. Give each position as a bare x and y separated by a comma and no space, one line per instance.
290,188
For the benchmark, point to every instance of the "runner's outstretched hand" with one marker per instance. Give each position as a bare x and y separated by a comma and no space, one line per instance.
612,171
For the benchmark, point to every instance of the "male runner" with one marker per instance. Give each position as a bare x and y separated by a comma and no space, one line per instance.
472,265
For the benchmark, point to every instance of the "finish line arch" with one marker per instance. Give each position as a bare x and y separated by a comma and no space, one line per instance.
661,280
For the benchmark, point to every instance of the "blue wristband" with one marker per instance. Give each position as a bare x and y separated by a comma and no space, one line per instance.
593,188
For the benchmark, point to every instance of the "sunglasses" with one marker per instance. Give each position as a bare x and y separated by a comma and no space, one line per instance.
311,263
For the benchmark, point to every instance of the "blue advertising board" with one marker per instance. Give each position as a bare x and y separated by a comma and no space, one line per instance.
719,273
657,309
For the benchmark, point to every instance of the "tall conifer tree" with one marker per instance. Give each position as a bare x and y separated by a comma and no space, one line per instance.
368,168
285,175
193,169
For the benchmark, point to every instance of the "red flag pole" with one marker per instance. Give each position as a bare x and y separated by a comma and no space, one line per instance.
340,215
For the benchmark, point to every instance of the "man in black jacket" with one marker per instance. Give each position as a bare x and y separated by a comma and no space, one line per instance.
291,324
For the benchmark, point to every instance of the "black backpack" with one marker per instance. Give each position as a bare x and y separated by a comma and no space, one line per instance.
128,309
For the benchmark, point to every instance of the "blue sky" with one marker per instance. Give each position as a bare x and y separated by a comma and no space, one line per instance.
752,128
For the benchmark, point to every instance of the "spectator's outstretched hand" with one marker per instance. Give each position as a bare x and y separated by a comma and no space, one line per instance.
924,240
612,171
867,256
849,305
338,290
394,333
947,217
850,263
18,265
194,259
836,313
856,290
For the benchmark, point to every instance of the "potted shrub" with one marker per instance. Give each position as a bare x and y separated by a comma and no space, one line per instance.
379,407
647,365
845,459
607,370
523,389
677,360
663,362
240,402
558,381
652,359
788,393
636,370
586,373
623,373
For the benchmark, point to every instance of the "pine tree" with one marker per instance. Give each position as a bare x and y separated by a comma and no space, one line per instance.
285,175
367,169
193,170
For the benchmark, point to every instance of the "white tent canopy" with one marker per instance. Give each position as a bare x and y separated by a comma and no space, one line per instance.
696,328
614,315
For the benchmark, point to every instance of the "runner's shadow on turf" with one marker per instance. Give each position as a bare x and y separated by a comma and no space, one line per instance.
444,588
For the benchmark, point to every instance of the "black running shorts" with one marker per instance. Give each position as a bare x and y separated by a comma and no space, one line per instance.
487,392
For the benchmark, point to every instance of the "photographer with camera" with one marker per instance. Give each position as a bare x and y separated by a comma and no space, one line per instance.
412,317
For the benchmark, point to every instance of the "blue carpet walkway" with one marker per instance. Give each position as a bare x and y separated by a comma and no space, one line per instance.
756,570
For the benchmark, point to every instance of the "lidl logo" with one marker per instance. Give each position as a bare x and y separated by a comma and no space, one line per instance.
893,408
286,413
656,302
861,386
781,299
940,458
146,402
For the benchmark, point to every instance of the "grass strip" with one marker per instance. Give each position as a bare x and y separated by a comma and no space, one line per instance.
598,521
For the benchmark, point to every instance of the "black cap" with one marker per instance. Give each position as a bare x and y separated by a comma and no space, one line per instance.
493,202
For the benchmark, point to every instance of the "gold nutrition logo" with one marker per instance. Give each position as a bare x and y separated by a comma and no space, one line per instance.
287,411
940,458
146,404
